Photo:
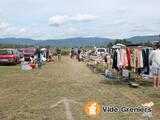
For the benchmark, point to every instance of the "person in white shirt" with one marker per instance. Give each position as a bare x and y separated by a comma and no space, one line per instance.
155,65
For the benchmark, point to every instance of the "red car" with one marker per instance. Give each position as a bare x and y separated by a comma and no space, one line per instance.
9,56
29,53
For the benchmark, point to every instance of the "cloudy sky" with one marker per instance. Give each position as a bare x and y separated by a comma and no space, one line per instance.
53,19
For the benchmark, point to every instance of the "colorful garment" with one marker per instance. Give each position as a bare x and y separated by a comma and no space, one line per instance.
119,63
129,57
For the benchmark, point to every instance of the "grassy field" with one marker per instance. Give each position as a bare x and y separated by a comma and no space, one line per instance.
30,95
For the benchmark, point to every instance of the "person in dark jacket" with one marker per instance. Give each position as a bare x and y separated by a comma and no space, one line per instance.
39,56
59,54
72,53
78,55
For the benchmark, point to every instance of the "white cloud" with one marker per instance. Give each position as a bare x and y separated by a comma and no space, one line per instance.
72,30
3,25
22,30
117,22
58,20
124,10
14,32
142,29
83,18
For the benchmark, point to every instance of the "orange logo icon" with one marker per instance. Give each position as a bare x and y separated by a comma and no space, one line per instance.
92,108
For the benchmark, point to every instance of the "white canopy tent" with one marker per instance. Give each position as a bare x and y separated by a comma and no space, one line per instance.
119,45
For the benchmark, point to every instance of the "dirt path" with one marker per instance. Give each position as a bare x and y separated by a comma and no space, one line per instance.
60,91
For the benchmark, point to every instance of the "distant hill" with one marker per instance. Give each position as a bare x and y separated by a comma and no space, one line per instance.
141,39
90,41
58,42
77,42
20,41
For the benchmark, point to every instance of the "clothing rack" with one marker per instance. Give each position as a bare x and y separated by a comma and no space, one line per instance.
127,79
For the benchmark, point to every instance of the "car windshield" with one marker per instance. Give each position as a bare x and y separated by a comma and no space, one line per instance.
6,52
29,51
101,50
20,50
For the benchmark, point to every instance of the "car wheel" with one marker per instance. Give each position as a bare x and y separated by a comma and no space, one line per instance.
16,62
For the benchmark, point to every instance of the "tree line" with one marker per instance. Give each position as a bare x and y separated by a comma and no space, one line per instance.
126,42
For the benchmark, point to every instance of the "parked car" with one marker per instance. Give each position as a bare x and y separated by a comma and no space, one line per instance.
44,54
100,51
9,56
43,51
21,52
29,53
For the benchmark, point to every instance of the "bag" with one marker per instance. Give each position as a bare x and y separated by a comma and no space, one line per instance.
125,73
25,66
108,74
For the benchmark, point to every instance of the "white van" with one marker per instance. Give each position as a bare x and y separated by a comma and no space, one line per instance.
100,51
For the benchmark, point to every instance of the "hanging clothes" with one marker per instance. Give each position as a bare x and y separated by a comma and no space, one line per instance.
141,59
147,61
129,57
115,60
144,59
124,60
137,58
134,58
119,63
